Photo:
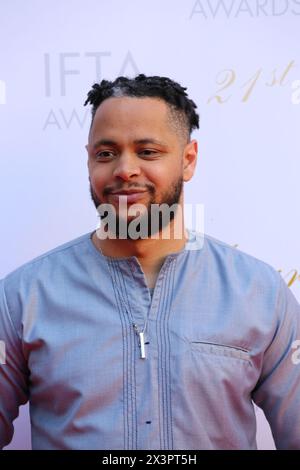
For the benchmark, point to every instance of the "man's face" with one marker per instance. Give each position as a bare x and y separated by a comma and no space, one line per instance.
133,146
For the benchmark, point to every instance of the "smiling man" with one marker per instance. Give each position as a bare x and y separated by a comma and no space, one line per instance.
153,341
140,150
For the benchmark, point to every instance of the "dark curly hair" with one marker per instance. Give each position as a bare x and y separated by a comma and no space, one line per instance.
183,109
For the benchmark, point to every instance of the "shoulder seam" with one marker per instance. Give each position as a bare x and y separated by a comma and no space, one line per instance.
58,249
241,252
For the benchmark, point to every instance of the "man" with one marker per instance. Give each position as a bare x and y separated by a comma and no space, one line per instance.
105,363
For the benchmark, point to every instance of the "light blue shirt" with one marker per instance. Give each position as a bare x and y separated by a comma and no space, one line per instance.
220,331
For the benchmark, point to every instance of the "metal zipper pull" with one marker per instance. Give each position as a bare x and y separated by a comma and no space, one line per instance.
142,345
141,337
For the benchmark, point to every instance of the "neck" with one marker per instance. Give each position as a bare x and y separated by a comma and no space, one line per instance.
148,248
151,252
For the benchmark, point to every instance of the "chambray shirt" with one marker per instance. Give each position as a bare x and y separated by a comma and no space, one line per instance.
220,333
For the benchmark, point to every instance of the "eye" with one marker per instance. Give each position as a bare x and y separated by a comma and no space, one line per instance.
105,154
148,153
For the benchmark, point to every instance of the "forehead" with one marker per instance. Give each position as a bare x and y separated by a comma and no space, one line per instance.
131,115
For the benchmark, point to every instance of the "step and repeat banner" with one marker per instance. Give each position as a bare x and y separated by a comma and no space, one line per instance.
240,61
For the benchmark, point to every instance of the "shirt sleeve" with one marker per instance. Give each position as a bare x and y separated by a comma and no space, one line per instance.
13,372
278,389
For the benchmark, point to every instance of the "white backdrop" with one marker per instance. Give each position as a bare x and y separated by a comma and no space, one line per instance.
240,61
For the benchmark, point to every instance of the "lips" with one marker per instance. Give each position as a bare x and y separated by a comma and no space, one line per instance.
129,196
129,191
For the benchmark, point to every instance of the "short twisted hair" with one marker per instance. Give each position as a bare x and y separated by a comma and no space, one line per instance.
183,109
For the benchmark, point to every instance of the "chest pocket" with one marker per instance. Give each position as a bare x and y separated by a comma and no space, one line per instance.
221,350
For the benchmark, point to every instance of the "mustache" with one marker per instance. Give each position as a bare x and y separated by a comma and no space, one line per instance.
110,189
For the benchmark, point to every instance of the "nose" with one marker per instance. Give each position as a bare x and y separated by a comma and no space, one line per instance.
127,166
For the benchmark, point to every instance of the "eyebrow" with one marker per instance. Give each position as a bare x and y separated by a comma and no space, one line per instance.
113,143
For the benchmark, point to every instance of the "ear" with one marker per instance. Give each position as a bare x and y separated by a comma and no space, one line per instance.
190,153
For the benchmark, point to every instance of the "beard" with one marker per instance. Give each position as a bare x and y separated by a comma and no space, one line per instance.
168,198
